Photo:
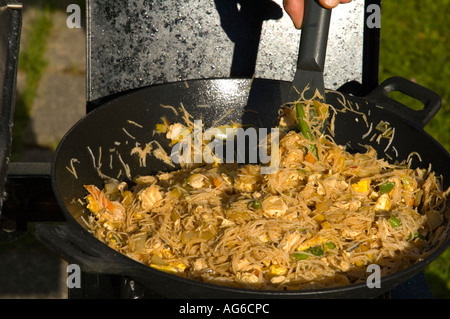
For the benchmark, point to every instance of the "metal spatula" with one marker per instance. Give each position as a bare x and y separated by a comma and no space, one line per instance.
310,62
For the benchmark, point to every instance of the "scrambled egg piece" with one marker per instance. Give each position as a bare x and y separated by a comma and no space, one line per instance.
383,203
277,270
362,186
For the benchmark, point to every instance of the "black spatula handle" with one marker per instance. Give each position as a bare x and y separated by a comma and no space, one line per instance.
314,36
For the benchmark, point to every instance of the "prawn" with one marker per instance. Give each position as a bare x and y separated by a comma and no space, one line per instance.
99,204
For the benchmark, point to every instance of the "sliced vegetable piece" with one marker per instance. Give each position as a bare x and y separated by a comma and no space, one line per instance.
320,108
386,187
316,250
255,204
394,222
415,236
300,256
127,198
310,158
304,128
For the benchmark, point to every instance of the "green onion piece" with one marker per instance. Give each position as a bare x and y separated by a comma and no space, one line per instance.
316,250
416,236
394,221
330,245
419,236
386,187
300,256
255,204
303,127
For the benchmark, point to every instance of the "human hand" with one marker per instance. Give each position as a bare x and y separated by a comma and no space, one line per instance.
295,8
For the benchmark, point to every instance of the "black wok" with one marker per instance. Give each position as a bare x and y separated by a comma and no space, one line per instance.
114,128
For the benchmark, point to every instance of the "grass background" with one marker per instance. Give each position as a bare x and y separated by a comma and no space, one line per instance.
414,37
414,45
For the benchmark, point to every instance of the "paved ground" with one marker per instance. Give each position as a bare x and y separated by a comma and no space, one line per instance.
61,95
28,269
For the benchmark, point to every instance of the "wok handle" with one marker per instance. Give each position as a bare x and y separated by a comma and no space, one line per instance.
430,99
77,247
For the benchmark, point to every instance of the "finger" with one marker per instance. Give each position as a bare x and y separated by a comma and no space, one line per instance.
295,8
329,4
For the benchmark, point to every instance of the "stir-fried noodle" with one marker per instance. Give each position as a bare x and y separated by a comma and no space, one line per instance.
318,221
